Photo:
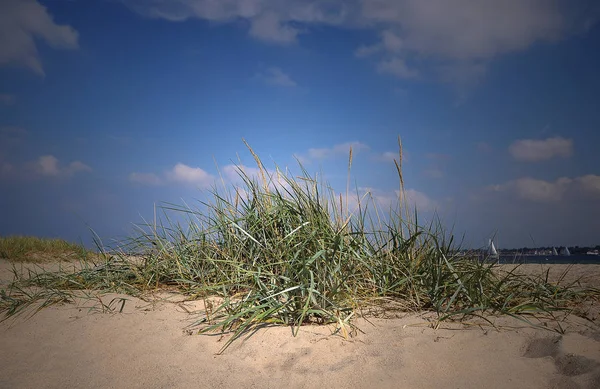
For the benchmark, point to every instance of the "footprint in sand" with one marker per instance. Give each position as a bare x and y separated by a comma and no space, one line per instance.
567,364
543,347
573,365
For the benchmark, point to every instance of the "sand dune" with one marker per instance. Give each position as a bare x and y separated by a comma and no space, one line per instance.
147,346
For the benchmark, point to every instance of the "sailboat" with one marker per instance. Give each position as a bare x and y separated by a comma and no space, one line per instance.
565,251
554,252
493,253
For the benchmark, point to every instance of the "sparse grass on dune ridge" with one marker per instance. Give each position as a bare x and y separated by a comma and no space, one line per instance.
289,251
34,249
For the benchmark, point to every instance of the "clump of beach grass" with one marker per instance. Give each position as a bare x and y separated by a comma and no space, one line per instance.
286,250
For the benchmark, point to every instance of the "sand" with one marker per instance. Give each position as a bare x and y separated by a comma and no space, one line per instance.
147,346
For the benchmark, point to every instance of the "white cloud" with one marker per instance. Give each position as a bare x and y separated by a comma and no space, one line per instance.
267,27
530,150
190,175
455,39
452,39
275,76
388,156
49,166
456,29
274,177
44,166
21,23
467,29
337,150
365,51
145,178
7,99
590,183
390,42
180,173
417,199
270,21
537,190
397,67
410,199
76,167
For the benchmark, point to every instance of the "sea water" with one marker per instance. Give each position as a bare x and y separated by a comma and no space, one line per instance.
549,259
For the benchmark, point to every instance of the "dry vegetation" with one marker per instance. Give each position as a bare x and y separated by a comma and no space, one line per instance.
40,250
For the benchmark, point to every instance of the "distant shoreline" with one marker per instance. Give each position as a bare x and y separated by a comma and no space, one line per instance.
582,259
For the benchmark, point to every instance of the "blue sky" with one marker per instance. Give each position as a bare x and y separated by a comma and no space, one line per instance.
110,106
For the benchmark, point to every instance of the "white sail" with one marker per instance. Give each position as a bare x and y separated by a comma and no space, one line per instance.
554,252
565,251
492,249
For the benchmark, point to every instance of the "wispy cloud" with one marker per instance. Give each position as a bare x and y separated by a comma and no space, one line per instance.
270,21
276,77
590,183
555,211
268,27
49,166
331,152
459,36
180,173
190,175
534,189
418,200
411,198
11,137
7,99
397,67
387,156
22,22
390,42
463,29
275,180
145,179
529,150
367,50
537,190
453,40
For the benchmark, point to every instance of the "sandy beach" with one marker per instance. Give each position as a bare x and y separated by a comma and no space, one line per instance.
147,346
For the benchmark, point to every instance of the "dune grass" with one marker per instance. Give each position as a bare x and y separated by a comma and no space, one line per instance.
34,249
290,251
